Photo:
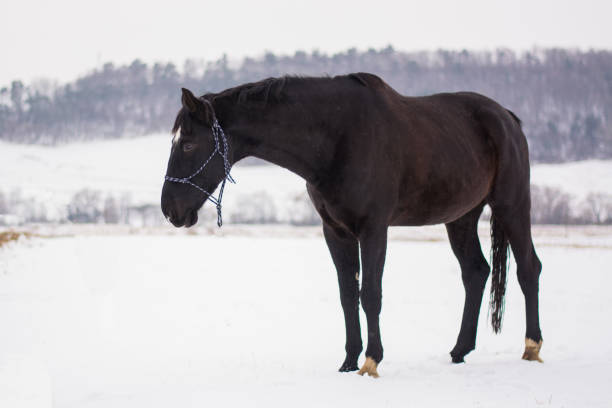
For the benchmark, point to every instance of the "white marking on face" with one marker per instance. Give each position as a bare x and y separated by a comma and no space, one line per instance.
177,136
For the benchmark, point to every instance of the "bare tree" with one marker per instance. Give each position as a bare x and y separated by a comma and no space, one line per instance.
550,206
598,207
256,208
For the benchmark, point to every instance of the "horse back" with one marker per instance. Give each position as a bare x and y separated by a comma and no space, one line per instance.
426,160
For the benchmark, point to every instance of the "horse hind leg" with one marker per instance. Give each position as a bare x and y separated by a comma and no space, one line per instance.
510,223
515,224
463,236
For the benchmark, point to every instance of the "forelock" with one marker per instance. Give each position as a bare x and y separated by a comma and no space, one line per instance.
177,135
183,121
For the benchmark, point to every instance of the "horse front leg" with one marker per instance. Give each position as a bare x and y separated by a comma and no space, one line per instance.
344,249
373,251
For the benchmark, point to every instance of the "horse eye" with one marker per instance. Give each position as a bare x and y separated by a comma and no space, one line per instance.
188,147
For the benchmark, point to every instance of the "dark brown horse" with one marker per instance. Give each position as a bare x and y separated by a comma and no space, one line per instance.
373,158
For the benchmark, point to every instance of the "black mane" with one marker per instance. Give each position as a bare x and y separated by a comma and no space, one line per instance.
260,92
270,90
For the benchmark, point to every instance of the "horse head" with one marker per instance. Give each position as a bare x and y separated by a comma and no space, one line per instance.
198,163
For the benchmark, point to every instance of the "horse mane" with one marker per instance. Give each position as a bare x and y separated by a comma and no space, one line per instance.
260,92
270,90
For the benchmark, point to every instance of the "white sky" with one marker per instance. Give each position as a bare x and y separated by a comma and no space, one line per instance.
65,38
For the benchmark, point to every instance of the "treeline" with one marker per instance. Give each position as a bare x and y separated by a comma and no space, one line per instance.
564,97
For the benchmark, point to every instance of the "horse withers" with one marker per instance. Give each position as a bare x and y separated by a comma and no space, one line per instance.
373,158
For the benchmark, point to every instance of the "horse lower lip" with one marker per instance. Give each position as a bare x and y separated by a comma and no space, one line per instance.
176,223
191,219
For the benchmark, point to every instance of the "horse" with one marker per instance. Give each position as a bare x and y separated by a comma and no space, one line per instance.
373,158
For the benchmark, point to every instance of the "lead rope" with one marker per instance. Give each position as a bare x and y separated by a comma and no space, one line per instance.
217,133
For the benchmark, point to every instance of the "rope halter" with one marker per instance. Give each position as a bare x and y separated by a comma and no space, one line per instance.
222,148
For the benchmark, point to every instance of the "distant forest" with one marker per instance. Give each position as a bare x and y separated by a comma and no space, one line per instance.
564,97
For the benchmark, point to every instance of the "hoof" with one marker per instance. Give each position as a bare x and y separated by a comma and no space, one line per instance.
348,367
532,350
457,359
369,368
459,352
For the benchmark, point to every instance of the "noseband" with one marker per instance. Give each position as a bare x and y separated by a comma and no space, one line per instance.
221,148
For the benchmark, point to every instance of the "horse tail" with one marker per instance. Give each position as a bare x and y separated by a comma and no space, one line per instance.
499,263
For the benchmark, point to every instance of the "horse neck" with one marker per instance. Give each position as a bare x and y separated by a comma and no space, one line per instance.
294,137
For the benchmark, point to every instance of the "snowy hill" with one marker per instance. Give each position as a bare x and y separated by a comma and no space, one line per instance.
575,178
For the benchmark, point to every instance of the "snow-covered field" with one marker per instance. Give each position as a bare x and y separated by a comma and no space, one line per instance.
113,316
250,317
135,168
129,166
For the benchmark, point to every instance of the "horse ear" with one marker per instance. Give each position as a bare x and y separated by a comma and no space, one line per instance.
190,102
196,106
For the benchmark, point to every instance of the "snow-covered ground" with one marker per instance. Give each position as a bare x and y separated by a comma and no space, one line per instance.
135,168
250,317
113,316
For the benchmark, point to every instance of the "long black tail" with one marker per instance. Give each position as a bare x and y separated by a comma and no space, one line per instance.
499,263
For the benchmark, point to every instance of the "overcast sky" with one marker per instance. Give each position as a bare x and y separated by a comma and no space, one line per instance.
65,38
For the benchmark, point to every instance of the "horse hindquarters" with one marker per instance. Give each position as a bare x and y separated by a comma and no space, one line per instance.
510,202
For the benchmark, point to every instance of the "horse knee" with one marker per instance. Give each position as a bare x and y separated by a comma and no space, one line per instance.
349,301
371,301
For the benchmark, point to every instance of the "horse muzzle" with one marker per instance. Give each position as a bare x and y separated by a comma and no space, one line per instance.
177,214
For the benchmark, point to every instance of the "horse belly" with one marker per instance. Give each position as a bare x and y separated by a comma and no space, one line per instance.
444,196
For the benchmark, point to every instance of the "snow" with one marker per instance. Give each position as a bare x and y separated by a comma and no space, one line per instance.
576,178
135,168
250,316
100,316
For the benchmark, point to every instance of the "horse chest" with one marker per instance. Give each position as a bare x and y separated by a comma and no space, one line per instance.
339,207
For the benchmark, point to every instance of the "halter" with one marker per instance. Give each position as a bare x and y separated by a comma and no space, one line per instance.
217,133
